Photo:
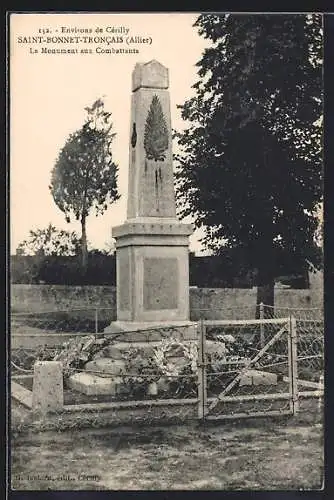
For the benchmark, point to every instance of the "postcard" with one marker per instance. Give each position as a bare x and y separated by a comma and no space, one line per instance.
166,251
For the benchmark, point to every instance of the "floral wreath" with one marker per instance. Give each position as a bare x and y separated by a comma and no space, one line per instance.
169,368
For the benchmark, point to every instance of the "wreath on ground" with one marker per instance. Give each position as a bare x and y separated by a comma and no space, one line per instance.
174,357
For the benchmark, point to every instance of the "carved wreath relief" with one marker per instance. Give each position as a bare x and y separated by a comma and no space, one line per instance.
156,132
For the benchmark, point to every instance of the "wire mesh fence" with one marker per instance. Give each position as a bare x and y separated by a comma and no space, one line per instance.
314,315
82,320
140,370
310,345
247,372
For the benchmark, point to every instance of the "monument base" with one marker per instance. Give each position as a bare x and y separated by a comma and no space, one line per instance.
152,270
103,374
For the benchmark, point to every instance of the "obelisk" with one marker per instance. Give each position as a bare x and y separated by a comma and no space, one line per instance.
152,246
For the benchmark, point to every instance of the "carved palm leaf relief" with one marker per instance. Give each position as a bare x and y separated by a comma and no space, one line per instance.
156,132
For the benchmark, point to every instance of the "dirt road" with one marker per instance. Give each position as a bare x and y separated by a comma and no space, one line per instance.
247,455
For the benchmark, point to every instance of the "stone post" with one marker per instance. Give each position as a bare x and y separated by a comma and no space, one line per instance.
47,394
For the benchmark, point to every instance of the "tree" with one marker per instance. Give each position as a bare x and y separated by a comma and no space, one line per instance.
250,168
50,241
110,247
84,177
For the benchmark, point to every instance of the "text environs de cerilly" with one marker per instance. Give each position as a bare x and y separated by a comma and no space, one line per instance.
108,29
106,40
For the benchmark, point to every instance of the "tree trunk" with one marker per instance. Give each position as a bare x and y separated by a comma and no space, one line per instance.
265,295
265,279
266,268
84,251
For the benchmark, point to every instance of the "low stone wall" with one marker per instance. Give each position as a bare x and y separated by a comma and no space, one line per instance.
299,299
209,303
219,303
39,298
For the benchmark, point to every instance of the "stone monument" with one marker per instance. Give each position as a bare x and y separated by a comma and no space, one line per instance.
152,255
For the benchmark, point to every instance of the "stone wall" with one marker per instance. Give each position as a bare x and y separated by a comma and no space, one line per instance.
34,298
219,303
212,303
239,303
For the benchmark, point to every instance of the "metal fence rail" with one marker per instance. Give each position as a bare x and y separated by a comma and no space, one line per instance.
287,347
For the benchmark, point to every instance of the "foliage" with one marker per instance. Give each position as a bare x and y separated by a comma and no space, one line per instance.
142,370
60,270
250,166
76,352
84,177
49,241
204,272
164,354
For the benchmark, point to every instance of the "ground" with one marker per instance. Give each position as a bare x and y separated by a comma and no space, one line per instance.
272,454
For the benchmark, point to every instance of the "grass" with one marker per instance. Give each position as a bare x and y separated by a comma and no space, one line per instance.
272,454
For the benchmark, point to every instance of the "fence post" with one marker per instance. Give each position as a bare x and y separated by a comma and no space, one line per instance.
294,364
96,320
262,339
201,364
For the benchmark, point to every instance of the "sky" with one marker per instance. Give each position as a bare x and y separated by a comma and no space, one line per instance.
48,94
